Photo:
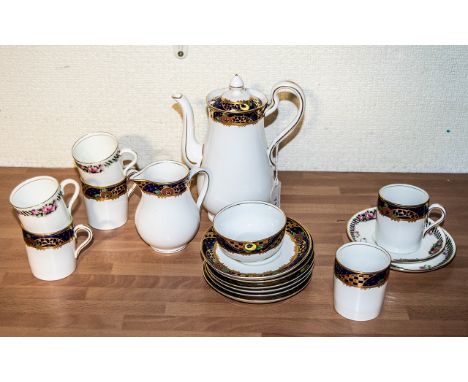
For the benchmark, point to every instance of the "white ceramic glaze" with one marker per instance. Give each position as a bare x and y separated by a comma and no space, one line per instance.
239,157
361,227
247,222
355,303
99,162
57,263
168,223
99,153
40,203
107,214
399,236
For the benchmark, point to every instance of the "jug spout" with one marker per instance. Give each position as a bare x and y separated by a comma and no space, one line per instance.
191,148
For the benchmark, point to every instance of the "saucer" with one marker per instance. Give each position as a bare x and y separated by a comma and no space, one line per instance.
433,264
257,298
361,227
259,290
296,248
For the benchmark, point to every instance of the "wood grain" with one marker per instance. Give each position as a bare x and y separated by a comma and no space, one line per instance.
122,288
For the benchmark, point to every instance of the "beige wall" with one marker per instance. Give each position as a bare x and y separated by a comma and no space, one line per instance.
368,108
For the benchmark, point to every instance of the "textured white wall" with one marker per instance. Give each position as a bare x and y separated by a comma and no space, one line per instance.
397,108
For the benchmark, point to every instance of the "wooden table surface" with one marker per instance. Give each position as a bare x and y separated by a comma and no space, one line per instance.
121,287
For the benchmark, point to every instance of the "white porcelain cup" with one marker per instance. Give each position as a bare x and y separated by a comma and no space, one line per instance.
250,231
402,215
167,216
40,205
53,256
99,162
361,275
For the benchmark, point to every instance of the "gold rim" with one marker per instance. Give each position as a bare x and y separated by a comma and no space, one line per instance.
26,182
93,135
367,245
404,205
160,162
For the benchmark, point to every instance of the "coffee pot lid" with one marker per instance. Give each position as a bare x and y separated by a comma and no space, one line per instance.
237,98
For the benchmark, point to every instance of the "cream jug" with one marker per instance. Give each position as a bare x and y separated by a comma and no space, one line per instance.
236,152
167,218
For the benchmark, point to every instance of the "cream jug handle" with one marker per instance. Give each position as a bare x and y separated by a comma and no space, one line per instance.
290,87
78,228
194,171
76,192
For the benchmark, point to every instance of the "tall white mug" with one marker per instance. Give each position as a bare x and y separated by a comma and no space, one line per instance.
40,205
53,256
402,215
103,178
361,275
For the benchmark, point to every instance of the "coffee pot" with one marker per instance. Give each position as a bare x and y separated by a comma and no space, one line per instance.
236,152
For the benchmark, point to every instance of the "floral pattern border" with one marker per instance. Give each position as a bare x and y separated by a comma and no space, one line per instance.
44,210
97,168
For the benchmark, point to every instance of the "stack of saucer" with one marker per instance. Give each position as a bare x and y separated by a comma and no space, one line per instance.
236,270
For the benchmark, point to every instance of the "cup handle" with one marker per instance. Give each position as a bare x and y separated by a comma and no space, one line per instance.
132,162
131,190
85,228
290,87
443,213
194,171
75,195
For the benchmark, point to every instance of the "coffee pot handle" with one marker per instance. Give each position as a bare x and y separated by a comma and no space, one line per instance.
290,87
194,171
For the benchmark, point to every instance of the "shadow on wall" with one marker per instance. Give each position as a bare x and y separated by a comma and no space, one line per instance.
145,149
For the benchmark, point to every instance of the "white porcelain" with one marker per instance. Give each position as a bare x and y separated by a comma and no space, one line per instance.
167,217
360,280
40,204
60,261
404,234
361,227
441,260
250,231
297,247
99,162
107,214
237,153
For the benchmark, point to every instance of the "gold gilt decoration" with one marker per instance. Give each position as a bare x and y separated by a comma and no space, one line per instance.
250,247
361,279
101,194
236,113
49,241
164,190
401,213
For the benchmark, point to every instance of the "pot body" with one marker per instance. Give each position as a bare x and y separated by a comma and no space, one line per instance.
237,157
167,224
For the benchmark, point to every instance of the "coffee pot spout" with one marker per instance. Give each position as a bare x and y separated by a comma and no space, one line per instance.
191,148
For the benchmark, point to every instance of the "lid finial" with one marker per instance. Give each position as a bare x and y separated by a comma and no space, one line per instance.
236,82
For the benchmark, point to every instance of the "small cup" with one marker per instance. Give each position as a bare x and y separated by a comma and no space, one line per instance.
361,275
40,205
53,256
103,179
250,231
402,214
